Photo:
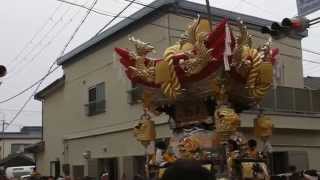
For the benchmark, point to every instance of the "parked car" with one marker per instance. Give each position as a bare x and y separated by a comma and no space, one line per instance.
19,171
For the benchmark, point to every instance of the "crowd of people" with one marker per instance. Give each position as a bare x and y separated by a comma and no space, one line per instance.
193,170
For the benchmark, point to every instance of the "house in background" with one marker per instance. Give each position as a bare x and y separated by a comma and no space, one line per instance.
15,142
312,82
88,114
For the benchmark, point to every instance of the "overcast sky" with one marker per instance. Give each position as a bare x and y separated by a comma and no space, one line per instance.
34,32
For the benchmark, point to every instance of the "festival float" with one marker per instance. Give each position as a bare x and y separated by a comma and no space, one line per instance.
202,83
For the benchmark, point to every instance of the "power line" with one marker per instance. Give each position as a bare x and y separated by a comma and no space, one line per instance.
97,11
40,42
15,110
258,7
78,27
43,38
312,69
28,88
8,99
285,44
298,58
282,43
126,17
62,52
55,36
142,4
125,8
29,98
115,124
35,35
35,83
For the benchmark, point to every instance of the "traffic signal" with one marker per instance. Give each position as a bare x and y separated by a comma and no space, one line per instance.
287,27
299,24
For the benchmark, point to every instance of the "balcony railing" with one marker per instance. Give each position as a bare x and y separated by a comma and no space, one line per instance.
278,99
95,107
135,95
286,99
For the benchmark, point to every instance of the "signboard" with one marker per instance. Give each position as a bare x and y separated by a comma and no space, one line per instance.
306,7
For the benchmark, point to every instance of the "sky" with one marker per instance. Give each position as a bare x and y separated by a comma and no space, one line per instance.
33,34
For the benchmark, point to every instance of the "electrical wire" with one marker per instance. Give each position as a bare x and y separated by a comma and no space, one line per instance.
53,38
30,97
15,110
113,19
14,71
28,88
6,100
126,17
35,83
97,11
54,63
282,43
78,27
40,42
114,124
35,35
260,8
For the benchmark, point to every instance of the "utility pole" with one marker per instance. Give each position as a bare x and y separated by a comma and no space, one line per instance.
209,14
4,123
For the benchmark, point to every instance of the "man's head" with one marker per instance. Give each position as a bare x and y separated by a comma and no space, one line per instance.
252,144
233,145
186,170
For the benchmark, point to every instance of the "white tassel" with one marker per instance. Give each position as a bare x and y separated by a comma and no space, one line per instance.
151,149
120,70
227,49
275,75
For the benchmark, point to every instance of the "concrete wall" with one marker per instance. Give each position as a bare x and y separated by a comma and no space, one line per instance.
69,132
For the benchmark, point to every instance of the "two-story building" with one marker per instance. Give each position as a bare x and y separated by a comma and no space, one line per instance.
88,114
15,142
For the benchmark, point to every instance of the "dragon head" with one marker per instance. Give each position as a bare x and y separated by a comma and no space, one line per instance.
142,48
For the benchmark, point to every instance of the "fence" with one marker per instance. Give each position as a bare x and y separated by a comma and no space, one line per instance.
278,99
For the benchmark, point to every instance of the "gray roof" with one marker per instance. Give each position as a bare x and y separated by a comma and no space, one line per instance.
26,132
312,82
50,88
180,6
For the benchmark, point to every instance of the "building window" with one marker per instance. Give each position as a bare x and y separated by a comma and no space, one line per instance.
18,148
135,94
97,102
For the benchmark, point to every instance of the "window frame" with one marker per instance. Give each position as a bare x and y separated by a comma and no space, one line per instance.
18,144
98,105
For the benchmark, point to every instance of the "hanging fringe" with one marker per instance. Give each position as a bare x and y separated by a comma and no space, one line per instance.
227,49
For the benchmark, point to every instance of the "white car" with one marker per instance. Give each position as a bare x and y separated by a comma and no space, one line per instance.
19,171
